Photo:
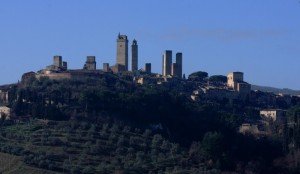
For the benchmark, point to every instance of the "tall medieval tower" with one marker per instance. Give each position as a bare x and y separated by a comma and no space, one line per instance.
134,56
57,61
179,65
167,63
122,51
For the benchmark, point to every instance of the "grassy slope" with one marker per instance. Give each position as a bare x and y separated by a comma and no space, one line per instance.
14,165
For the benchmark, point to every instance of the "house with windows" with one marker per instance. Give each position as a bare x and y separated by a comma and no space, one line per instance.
274,114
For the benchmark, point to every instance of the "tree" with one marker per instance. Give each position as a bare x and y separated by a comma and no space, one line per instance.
88,170
293,116
156,141
218,79
195,152
212,145
198,76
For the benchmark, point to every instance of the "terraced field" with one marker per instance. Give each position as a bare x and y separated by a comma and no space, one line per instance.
70,147
11,164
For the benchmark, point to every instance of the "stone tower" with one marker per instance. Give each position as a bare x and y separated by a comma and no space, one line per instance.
65,65
234,78
148,68
174,69
167,63
57,61
134,56
105,67
122,51
179,65
90,63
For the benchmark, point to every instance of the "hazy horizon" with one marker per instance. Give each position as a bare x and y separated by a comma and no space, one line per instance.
261,39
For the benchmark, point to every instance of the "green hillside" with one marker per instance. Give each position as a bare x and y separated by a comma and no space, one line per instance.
80,147
109,124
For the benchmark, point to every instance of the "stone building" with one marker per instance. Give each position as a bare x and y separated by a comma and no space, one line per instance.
69,74
106,67
90,63
57,61
3,96
148,68
134,56
274,114
214,93
167,63
54,75
234,78
122,51
146,80
235,81
247,128
58,64
118,68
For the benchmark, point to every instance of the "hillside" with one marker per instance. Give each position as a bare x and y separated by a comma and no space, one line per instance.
81,147
109,124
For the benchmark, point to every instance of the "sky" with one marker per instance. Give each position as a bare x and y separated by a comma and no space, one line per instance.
258,37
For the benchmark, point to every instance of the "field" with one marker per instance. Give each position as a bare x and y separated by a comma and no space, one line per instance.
14,165
78,147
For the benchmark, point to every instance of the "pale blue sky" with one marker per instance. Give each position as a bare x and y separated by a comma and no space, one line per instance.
258,37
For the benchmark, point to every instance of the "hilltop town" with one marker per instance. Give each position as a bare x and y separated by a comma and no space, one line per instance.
199,87
59,69
203,88
187,110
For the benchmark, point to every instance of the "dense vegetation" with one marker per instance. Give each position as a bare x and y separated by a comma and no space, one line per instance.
198,76
110,124
218,79
75,147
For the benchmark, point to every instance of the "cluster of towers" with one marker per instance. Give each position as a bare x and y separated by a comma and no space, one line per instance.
169,68
59,64
235,81
122,53
234,78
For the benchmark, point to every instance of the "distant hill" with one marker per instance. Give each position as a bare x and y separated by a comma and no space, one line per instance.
275,90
